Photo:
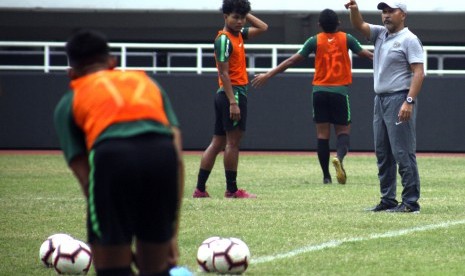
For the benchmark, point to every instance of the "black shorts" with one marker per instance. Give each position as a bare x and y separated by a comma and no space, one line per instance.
133,190
331,108
223,122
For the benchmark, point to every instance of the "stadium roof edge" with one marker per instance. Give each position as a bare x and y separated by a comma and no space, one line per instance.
266,6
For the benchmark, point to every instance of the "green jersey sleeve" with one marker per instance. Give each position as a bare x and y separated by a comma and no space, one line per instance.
245,33
353,44
71,137
308,47
223,48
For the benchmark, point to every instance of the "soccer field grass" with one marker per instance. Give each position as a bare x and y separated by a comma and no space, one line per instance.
296,226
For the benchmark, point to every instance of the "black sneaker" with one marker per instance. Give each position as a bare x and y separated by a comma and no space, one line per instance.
382,207
402,208
327,180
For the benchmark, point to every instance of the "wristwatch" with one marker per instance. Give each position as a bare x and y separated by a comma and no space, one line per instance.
410,100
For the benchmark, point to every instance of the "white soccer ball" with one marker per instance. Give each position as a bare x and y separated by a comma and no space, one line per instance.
230,256
48,247
72,257
205,254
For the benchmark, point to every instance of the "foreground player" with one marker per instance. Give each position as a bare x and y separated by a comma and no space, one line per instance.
120,138
398,77
333,75
231,97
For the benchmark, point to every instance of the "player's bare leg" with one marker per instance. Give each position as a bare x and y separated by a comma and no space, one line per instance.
152,257
216,146
231,151
231,161
207,162
111,258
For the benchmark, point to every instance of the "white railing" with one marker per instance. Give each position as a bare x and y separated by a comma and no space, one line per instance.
197,58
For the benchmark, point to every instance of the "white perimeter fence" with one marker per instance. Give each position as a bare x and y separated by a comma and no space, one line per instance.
198,58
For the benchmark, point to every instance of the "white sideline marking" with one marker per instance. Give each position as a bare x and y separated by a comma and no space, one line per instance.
336,243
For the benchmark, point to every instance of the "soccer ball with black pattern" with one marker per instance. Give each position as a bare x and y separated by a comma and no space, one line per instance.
72,257
230,256
48,247
205,254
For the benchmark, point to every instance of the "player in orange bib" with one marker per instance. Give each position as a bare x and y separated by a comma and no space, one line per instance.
231,96
331,81
120,137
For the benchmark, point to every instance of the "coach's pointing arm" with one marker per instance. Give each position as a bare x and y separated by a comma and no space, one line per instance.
357,20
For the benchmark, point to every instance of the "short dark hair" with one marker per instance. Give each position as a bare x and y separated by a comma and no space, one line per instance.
328,21
86,47
241,7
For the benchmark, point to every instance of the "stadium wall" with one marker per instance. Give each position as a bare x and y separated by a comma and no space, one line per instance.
279,114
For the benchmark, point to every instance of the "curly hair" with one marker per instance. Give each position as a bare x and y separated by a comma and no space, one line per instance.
328,21
86,47
241,7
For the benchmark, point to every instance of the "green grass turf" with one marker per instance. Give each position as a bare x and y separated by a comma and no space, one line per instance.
296,226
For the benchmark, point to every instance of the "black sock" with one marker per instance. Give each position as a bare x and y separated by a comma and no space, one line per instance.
231,184
163,273
122,271
323,156
343,141
202,179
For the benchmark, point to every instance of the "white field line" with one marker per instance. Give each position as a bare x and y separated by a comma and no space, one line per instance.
336,243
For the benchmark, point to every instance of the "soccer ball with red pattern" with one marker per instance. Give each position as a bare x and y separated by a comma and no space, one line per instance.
49,245
205,254
72,257
230,256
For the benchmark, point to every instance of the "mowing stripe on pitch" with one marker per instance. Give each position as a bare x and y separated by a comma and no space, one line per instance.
336,243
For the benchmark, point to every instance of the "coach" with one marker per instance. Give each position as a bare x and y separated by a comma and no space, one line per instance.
398,77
